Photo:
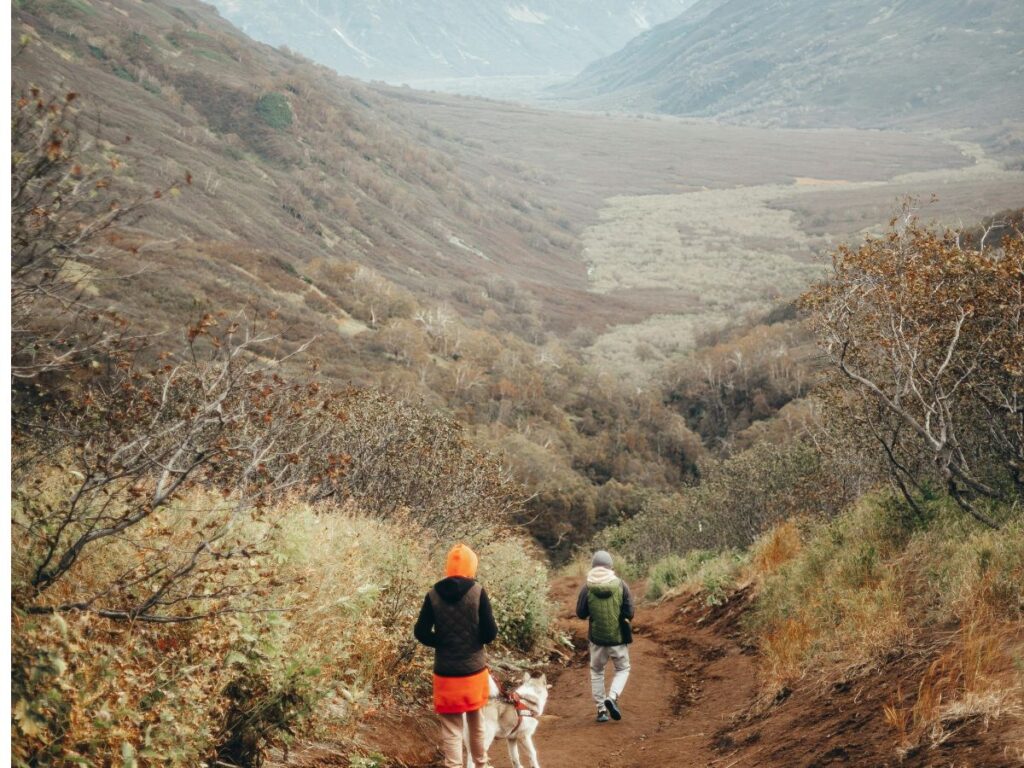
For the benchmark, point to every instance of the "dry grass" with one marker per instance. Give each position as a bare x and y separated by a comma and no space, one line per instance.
783,650
776,548
332,636
842,599
977,676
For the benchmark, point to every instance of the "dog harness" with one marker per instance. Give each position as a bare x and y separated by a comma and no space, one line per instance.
522,707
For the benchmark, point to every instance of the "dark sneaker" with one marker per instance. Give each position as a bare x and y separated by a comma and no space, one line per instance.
613,709
602,716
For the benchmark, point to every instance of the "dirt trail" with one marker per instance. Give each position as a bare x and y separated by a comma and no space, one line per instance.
683,689
692,701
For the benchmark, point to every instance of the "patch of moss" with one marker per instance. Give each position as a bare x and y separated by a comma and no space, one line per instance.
274,110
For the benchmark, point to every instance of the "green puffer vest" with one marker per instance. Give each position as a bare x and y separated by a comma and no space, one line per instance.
605,604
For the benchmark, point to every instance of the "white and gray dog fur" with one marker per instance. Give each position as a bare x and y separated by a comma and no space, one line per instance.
502,721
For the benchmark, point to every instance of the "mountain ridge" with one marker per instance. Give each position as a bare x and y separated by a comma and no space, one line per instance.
912,63
396,41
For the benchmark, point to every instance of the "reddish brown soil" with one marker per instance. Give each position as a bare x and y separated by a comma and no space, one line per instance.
692,701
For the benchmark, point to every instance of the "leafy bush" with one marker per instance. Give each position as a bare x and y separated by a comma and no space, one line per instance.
84,688
924,331
518,587
274,110
356,585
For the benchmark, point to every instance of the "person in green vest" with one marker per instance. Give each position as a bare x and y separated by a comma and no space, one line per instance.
605,600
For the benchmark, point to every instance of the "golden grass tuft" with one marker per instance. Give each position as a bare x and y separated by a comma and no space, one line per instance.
783,650
978,675
776,548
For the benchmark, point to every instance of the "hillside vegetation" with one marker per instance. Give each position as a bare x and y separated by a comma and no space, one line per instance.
319,201
213,549
871,531
279,339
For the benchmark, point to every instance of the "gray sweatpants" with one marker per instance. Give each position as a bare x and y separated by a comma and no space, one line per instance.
599,655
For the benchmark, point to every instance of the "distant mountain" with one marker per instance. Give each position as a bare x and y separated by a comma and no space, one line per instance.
822,62
427,39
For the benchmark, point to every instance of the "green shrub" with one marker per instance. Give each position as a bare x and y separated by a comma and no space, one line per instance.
274,110
673,571
518,587
718,576
123,73
713,574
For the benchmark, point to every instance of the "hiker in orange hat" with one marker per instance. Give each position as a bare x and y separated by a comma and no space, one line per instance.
457,622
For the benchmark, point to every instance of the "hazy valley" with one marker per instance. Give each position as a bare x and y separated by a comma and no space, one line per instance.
281,336
410,42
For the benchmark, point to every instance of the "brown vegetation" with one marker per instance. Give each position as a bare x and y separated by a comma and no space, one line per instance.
212,547
928,333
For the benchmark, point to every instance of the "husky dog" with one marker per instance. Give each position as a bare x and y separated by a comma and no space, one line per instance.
514,719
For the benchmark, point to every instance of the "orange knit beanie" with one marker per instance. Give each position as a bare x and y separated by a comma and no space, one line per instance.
462,561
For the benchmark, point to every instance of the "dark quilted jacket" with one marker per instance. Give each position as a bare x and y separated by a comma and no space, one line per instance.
457,622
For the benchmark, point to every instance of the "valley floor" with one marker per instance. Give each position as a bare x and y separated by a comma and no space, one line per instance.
693,701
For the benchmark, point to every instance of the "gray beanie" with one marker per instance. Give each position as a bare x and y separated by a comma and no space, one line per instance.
601,560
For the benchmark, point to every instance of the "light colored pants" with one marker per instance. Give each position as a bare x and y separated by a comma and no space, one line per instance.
599,655
451,739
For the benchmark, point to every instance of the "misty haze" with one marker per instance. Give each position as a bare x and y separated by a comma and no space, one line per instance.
685,335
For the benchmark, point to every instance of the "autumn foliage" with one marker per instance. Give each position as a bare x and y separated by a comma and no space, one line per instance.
927,333
191,511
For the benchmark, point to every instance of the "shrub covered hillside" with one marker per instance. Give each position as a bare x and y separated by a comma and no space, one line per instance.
342,210
214,548
882,526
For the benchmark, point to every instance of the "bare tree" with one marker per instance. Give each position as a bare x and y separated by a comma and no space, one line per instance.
61,207
930,332
145,483
133,443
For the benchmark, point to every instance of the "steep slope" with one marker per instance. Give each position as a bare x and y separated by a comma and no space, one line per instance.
286,157
430,245
339,211
391,39
822,62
